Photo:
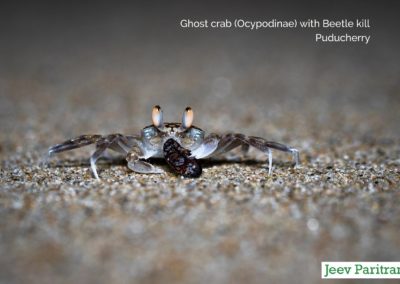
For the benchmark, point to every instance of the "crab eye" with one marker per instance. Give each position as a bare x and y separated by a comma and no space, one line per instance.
157,116
187,118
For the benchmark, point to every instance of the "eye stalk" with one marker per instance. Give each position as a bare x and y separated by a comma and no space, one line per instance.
187,118
157,116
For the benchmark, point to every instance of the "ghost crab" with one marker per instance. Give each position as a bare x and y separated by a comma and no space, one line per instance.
181,144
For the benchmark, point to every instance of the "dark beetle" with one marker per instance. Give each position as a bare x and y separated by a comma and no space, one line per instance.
178,158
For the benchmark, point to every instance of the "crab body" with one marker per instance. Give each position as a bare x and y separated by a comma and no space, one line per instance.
180,144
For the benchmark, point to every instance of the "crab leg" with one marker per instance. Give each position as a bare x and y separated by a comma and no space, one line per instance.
116,142
100,149
263,145
74,143
230,141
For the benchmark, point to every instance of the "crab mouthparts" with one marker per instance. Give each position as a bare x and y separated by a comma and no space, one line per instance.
178,158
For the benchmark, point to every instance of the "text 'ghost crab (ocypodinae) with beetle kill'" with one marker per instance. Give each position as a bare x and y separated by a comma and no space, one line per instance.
180,144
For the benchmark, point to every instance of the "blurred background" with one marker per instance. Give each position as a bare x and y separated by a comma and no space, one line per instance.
98,67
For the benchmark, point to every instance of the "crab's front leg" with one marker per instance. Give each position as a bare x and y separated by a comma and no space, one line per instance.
136,164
